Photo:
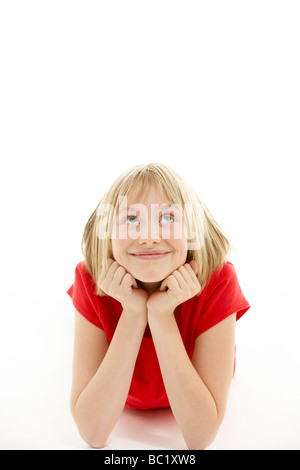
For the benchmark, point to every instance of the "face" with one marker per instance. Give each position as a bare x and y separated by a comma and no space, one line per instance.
150,237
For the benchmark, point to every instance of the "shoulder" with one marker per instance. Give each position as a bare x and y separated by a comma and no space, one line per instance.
227,270
81,269
222,292
83,273
220,297
225,274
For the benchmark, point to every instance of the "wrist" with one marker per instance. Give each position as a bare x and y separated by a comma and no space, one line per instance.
138,316
160,315
162,325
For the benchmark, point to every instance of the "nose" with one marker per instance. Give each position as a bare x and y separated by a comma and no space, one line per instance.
149,235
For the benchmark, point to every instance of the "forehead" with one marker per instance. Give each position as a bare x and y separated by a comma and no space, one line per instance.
147,195
150,198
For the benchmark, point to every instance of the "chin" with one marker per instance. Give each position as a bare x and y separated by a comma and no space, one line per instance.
151,275
149,279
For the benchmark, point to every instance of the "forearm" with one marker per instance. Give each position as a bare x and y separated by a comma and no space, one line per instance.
100,404
192,404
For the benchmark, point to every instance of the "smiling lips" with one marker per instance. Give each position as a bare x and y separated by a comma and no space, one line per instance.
150,255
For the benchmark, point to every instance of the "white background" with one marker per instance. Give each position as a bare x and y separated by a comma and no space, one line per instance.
91,88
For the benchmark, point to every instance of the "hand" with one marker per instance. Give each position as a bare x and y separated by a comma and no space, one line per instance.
122,286
178,287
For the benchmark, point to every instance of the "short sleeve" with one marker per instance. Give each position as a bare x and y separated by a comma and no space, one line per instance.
83,295
223,296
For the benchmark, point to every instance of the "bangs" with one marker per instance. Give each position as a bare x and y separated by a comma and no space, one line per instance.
136,185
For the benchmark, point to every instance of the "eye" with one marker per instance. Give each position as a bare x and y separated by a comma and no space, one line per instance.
167,218
131,220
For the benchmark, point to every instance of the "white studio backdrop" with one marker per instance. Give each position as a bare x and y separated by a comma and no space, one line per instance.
91,88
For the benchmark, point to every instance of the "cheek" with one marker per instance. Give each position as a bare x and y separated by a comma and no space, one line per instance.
179,246
118,248
182,255
176,235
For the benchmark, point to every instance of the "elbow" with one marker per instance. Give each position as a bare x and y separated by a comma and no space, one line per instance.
92,437
95,441
95,444
200,444
203,436
202,440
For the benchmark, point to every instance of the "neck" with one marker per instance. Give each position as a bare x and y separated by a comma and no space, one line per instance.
149,287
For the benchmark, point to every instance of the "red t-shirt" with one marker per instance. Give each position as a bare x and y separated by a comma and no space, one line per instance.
221,297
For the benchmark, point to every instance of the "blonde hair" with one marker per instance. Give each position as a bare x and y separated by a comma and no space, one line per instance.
211,247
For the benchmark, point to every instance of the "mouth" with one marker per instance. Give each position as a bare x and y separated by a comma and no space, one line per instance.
150,255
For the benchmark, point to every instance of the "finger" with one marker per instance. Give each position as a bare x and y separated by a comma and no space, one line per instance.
111,271
107,276
192,272
163,287
182,282
194,266
165,284
106,266
109,262
104,271
172,284
194,278
186,274
119,275
128,281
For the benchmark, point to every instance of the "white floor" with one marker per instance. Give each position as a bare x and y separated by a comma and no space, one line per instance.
36,354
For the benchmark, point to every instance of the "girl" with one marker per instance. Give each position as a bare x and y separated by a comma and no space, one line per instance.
156,306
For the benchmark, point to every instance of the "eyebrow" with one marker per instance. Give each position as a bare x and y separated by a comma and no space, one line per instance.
125,209
159,208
